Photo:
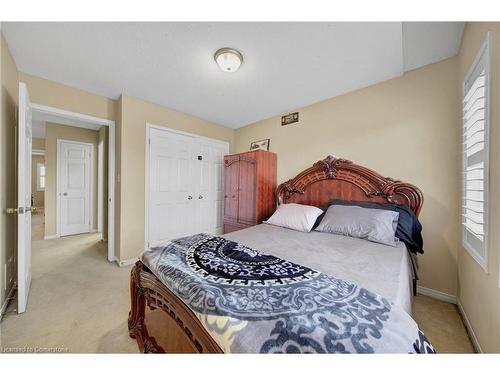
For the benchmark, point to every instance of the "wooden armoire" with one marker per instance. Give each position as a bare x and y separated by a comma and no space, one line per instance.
249,189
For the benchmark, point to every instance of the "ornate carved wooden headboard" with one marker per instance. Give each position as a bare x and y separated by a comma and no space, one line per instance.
333,178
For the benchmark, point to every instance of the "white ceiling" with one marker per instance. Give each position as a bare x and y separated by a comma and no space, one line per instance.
286,65
428,42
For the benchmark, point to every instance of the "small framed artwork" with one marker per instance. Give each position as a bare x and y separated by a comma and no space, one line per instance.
260,145
290,118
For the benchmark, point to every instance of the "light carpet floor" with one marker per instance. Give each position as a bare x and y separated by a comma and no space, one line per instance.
38,225
79,303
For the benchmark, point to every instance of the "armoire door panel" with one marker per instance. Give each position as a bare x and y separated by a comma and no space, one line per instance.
231,176
246,191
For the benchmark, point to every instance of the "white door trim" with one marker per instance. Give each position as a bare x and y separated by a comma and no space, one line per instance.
60,141
79,117
100,179
150,126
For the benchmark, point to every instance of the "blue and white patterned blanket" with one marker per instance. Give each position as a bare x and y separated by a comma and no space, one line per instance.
251,302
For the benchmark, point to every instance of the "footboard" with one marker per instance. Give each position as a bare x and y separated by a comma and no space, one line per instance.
168,325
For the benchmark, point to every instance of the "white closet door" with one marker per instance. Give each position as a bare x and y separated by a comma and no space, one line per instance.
210,186
185,185
218,152
172,166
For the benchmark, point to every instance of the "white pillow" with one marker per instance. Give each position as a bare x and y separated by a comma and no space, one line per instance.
368,223
295,216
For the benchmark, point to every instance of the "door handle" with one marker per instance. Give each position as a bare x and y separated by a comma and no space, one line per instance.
200,197
11,211
190,197
20,210
65,194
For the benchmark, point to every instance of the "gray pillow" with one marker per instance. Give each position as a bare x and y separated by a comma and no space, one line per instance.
368,223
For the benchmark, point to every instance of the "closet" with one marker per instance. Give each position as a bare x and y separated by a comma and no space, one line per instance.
184,185
249,189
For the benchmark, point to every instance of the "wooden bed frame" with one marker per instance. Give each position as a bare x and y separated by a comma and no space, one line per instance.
169,326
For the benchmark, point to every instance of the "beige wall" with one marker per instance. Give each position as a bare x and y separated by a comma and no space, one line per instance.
135,113
53,94
406,128
54,132
38,144
8,107
478,291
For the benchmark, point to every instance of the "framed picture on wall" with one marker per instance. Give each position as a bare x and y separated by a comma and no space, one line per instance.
260,145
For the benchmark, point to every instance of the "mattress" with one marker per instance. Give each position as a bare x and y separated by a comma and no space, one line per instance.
383,269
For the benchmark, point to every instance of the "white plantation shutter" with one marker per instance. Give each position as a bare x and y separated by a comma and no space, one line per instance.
475,157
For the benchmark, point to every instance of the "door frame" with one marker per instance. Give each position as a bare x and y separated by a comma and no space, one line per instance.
80,117
150,126
100,179
60,141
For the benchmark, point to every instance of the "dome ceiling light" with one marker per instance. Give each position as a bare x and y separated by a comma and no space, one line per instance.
228,59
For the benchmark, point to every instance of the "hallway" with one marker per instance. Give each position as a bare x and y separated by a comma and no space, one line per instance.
37,226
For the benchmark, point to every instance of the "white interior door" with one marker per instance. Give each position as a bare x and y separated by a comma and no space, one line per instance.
171,193
209,185
24,200
185,186
75,194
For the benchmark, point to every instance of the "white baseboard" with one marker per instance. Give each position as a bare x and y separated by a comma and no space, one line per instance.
126,262
437,295
7,300
51,236
468,327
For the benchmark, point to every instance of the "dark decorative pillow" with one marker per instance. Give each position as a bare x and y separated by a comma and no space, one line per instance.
409,229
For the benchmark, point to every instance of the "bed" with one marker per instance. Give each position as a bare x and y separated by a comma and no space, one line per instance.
162,318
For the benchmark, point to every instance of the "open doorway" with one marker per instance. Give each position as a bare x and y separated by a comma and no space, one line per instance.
38,185
77,151
71,175
67,189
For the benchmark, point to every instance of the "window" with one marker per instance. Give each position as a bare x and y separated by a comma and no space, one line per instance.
475,133
40,176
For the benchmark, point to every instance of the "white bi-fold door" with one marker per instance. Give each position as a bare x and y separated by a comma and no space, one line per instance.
184,185
74,181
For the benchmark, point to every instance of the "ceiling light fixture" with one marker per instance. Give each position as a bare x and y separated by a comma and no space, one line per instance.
228,59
